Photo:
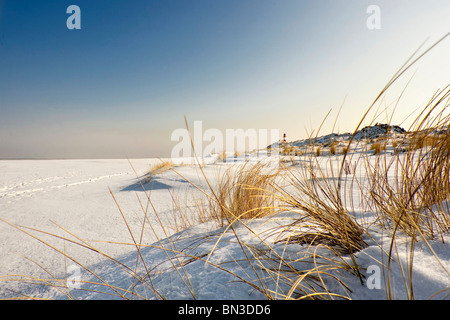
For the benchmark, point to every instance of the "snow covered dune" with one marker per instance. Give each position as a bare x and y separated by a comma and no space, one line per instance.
86,229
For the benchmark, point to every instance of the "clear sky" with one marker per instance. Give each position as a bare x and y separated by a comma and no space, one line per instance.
122,84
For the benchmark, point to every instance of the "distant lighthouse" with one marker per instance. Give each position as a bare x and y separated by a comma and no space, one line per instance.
284,138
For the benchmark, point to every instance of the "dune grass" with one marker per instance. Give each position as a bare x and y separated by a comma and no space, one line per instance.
415,203
158,168
377,147
243,194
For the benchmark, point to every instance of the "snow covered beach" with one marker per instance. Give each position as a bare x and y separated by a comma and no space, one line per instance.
83,235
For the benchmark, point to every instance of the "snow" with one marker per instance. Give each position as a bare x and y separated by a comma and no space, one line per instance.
88,201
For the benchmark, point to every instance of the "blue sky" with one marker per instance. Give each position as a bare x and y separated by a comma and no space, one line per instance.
119,86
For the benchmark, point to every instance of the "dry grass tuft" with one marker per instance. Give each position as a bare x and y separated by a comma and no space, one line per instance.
243,192
318,151
415,201
223,156
377,147
322,212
